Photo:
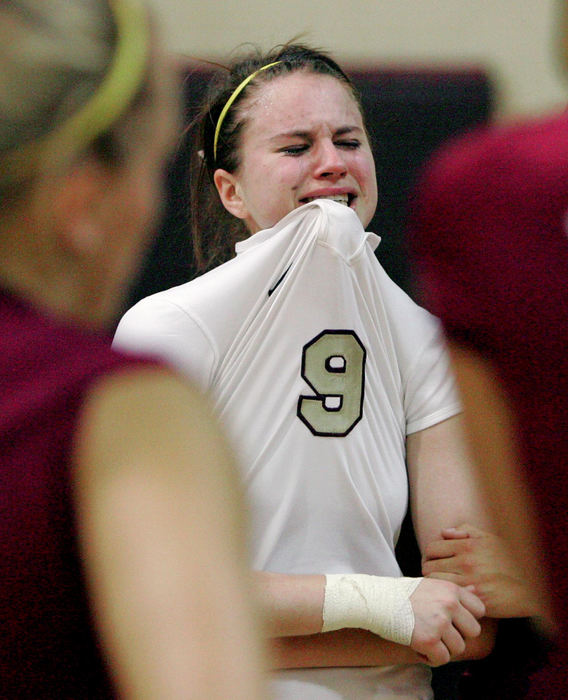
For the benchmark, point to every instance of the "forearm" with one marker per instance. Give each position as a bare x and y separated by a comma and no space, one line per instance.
348,647
297,605
292,604
433,618
354,647
491,430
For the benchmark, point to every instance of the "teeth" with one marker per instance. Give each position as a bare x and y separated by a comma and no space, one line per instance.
341,198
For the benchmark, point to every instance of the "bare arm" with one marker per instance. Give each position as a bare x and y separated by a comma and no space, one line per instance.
505,566
444,615
161,524
293,611
293,604
444,493
348,647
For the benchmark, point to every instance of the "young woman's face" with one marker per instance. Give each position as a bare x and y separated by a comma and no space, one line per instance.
303,139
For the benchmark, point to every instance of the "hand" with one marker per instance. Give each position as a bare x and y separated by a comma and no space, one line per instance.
468,556
445,616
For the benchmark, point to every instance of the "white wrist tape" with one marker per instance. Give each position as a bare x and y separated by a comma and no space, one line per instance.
379,604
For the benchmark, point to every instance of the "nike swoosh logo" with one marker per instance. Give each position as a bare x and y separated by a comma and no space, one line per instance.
272,289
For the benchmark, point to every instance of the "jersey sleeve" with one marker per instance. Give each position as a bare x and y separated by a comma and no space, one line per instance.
430,394
160,328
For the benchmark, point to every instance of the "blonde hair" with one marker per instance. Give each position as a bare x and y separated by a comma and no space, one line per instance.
54,56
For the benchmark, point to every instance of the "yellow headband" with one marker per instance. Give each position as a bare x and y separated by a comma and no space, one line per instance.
237,91
123,79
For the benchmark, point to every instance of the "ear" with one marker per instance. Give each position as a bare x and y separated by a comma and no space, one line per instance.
229,191
77,206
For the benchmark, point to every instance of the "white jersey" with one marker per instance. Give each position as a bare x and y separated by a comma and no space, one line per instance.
319,367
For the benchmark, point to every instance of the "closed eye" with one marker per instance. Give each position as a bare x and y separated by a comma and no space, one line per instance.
350,144
295,150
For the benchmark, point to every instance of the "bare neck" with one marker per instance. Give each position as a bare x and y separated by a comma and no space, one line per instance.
35,267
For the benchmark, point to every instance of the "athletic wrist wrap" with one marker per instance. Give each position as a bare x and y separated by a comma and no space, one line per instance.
379,604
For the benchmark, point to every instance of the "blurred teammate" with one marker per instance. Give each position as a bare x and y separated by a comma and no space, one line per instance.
491,241
121,535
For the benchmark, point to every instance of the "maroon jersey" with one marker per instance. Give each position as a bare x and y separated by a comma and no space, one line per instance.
48,646
492,252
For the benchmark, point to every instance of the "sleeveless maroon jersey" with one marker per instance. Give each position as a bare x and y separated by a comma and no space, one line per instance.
491,244
48,646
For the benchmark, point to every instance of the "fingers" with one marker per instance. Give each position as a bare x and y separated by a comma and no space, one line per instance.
464,530
453,641
446,616
465,618
441,651
437,654
451,565
458,579
443,549
441,558
461,557
472,602
454,533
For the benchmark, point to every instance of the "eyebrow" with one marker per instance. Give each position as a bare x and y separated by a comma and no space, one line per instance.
308,134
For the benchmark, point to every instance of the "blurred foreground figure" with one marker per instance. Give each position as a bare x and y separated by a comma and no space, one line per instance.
491,238
121,535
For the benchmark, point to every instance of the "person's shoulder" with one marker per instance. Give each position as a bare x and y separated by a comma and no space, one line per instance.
132,416
169,313
168,301
137,383
54,355
191,299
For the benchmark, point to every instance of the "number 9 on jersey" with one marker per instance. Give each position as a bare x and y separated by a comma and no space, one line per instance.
333,364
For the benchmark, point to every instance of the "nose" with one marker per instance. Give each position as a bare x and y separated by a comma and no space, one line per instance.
330,161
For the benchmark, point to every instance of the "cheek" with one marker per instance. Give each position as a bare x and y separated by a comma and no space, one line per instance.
271,191
368,182
368,177
366,167
291,177
372,180
301,168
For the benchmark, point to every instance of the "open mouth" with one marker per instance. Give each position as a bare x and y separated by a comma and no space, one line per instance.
346,198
